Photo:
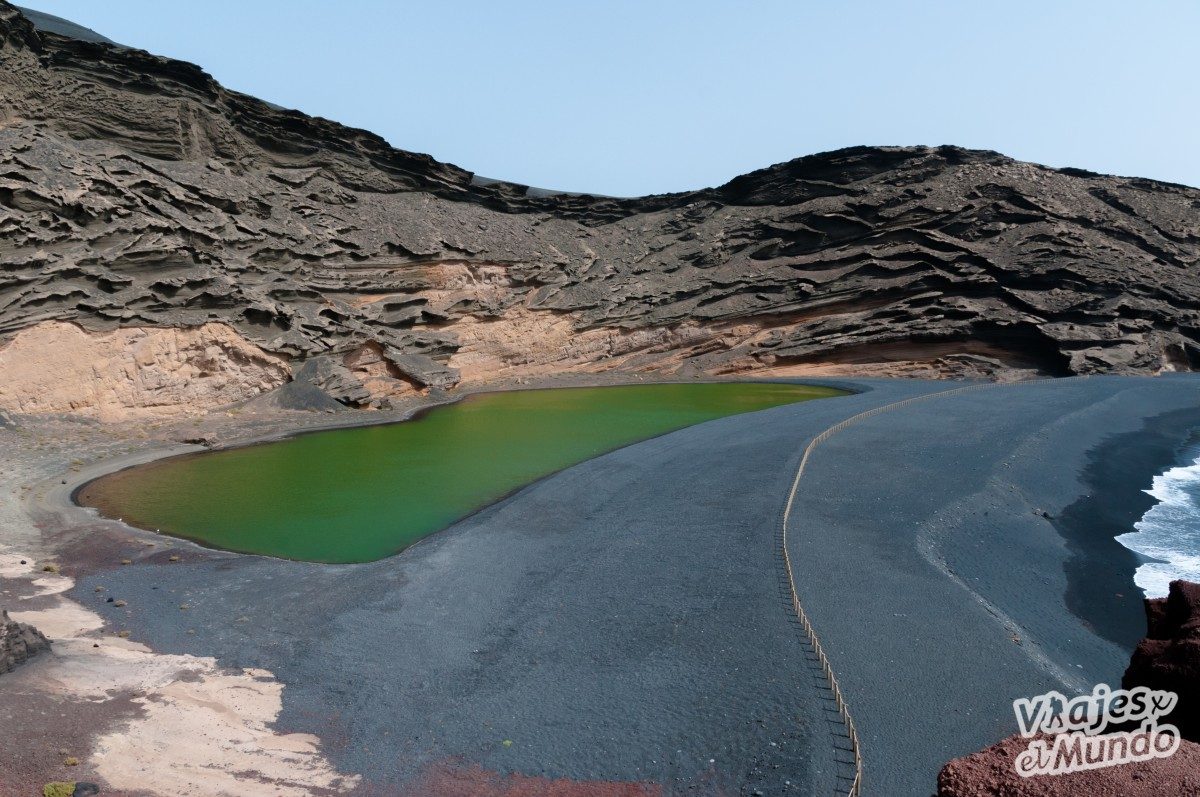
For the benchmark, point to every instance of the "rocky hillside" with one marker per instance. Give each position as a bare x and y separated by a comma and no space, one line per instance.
156,227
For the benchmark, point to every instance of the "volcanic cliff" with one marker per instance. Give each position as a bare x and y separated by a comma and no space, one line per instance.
168,245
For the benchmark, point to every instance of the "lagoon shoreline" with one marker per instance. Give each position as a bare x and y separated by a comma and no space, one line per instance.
365,493
505,587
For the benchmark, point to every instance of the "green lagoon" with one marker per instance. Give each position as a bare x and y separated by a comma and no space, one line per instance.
361,494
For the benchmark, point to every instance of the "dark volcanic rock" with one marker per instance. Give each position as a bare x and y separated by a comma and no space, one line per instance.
1169,657
18,643
135,191
64,27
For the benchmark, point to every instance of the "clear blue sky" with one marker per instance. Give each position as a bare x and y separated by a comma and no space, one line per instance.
637,96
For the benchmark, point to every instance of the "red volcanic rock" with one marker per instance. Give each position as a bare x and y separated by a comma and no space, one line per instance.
991,773
1169,657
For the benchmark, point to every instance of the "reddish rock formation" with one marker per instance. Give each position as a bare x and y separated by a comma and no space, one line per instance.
1169,657
990,773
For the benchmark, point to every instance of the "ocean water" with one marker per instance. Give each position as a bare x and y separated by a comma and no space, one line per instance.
1169,532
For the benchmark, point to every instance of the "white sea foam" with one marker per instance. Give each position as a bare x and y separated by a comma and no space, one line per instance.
1169,531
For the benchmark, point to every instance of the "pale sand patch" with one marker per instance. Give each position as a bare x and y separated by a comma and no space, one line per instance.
97,673
64,621
203,732
11,567
49,585
205,737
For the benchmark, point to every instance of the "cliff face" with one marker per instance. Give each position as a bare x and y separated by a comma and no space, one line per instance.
135,192
1169,657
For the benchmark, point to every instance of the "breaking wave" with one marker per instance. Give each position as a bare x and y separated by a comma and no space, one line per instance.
1169,532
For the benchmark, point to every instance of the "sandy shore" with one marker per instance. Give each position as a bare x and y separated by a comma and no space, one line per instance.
616,628
944,549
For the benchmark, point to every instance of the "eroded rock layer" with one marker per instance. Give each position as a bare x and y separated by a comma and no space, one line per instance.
136,192
133,371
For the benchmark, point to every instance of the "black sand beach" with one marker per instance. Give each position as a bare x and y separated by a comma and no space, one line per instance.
623,622
941,590
1099,572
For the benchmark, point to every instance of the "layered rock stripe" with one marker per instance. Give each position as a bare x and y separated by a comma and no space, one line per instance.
137,193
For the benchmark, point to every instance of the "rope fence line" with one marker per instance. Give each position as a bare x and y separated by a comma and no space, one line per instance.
855,789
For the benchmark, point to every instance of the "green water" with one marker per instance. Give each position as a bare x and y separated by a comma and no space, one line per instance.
356,495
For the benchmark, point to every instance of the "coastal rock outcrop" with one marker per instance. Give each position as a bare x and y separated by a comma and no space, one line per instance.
1169,657
137,192
990,773
18,643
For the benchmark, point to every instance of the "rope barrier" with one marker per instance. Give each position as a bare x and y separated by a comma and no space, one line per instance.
814,641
